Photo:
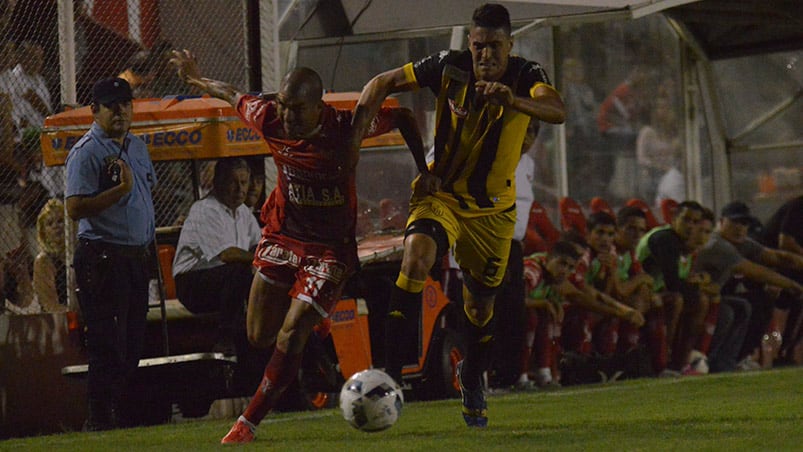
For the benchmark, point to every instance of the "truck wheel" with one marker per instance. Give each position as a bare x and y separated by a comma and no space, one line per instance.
445,351
145,406
195,407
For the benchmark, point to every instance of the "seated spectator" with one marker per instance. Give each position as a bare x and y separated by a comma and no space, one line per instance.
544,273
15,279
700,325
665,255
49,270
635,288
32,102
716,258
784,231
632,284
601,231
212,267
588,304
256,188
33,191
748,271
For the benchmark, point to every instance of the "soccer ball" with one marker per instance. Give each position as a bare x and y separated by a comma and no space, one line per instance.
371,401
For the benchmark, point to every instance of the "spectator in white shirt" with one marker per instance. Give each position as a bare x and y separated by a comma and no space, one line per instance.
212,267
29,91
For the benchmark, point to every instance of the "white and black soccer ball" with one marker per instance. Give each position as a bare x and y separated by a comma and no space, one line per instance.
371,401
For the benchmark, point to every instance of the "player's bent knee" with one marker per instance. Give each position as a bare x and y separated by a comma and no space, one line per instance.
409,284
259,339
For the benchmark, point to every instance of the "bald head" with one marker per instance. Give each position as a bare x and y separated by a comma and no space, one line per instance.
302,84
299,103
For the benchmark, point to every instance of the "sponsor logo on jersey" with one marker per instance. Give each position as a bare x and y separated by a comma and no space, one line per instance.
457,110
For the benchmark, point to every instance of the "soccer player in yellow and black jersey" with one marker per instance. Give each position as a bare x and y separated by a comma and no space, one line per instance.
466,198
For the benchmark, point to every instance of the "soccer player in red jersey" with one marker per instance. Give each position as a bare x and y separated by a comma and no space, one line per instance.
308,248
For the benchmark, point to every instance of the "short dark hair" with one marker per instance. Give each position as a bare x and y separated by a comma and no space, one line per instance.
690,205
709,215
224,168
628,212
564,248
599,219
492,15
572,236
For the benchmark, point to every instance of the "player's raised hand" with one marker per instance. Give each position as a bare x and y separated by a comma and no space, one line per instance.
186,64
494,92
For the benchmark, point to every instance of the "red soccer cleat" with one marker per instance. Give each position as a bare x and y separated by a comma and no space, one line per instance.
240,433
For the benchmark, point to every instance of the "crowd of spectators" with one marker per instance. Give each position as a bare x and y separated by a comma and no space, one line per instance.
26,184
713,298
24,103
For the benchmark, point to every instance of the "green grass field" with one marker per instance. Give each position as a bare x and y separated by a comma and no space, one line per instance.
742,411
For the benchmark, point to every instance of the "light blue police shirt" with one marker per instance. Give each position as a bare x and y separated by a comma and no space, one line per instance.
130,221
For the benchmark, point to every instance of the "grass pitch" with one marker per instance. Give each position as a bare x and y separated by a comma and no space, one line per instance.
726,412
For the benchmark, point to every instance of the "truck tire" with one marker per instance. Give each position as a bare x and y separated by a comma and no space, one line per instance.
195,407
445,351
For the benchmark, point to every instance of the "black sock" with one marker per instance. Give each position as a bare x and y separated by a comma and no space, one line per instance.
401,330
479,343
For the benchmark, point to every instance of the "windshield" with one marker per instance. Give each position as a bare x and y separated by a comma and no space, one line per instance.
383,189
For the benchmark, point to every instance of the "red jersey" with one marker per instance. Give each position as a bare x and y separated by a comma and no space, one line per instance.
578,277
315,198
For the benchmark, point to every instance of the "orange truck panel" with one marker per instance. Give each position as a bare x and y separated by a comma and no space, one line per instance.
184,129
351,336
432,303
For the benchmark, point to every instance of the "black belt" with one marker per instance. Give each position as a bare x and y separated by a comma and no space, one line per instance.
129,251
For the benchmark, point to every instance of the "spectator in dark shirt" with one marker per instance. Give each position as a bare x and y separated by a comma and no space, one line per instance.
664,254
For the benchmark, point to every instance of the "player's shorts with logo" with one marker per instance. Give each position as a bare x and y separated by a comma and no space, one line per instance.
481,243
313,272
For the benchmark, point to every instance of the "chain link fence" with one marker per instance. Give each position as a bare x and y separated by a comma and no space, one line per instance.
130,39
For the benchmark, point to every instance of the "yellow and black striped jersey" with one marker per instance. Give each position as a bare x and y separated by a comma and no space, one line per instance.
477,145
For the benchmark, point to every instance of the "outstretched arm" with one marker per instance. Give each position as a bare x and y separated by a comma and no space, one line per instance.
763,274
405,121
374,92
545,104
188,71
781,259
371,98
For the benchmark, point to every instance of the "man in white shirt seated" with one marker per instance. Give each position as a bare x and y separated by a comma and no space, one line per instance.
212,267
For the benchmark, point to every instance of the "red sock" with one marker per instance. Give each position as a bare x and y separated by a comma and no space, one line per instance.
709,325
576,330
554,334
530,337
588,325
629,337
607,337
656,339
279,373
542,346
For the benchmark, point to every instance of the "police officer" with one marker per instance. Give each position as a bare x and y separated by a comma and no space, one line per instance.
110,178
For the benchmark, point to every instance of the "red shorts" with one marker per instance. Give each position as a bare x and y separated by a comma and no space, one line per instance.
313,272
